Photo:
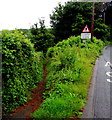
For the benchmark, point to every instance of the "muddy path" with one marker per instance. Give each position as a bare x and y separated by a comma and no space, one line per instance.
33,104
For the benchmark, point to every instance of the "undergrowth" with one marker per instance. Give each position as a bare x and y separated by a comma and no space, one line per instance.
69,73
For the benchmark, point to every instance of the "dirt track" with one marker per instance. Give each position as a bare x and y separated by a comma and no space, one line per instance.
33,104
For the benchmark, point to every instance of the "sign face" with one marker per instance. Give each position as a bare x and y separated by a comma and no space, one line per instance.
85,35
86,29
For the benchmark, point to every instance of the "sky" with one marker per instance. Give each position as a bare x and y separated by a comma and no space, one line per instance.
24,13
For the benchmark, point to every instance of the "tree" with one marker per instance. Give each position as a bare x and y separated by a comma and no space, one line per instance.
103,24
101,30
108,17
41,37
77,26
70,19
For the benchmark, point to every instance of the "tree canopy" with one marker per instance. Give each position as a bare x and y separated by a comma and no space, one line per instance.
41,37
70,19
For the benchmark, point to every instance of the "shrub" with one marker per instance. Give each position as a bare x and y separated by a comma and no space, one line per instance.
22,68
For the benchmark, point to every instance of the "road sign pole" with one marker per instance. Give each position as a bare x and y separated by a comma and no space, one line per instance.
92,24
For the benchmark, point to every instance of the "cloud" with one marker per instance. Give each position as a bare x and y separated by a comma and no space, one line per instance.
24,13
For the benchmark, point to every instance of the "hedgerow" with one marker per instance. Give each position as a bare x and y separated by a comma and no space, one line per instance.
69,72
22,68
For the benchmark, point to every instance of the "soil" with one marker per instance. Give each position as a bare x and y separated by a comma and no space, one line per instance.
33,104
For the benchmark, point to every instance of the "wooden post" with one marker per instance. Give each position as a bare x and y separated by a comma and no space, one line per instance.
92,24
104,17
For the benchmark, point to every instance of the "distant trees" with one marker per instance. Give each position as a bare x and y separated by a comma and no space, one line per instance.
103,22
108,17
70,19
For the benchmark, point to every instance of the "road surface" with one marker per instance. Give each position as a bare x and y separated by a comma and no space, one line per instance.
99,103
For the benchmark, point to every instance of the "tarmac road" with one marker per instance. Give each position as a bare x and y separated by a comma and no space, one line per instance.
99,103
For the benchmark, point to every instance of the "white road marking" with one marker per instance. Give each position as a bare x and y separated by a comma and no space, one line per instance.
109,74
108,64
108,80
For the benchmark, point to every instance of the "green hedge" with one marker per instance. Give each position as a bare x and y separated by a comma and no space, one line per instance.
22,68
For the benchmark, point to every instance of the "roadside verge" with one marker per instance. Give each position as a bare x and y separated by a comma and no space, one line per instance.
88,109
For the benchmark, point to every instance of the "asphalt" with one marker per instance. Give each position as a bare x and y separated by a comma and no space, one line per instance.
99,104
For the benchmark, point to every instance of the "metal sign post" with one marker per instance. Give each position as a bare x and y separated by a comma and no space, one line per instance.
86,33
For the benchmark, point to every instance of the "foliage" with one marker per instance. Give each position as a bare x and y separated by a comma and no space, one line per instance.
101,30
41,37
69,73
76,27
22,68
69,19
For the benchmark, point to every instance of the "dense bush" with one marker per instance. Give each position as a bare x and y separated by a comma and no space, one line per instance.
22,68
69,73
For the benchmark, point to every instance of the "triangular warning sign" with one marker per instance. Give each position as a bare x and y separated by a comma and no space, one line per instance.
86,29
